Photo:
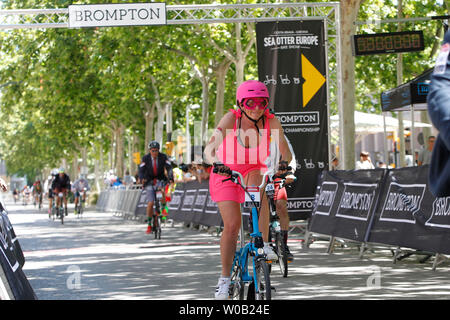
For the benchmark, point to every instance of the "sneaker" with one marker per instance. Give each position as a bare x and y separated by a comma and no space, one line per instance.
290,256
270,254
149,229
222,289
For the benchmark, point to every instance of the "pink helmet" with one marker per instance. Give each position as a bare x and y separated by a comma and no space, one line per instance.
251,89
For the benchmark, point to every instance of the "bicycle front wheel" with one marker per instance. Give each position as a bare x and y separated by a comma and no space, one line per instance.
159,227
282,258
263,290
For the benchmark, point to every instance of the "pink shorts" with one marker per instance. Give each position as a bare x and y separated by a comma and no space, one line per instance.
280,194
224,191
229,191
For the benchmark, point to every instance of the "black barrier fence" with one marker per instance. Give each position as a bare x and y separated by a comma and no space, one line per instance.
14,284
190,203
382,206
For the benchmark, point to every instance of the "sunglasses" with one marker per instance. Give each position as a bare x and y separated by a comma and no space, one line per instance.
253,103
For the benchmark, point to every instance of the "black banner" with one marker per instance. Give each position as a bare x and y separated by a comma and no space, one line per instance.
392,207
345,202
141,207
291,62
409,215
191,202
12,261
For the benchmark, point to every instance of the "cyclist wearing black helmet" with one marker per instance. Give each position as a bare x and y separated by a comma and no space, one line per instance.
155,171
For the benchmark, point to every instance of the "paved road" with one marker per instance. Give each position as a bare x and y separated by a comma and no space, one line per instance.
103,256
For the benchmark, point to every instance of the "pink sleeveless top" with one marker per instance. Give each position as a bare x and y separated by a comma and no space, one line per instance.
240,158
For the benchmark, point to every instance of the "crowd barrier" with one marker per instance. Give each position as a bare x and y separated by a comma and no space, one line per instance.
122,200
190,203
14,284
391,207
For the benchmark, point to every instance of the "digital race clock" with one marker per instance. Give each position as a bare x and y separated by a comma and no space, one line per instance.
406,41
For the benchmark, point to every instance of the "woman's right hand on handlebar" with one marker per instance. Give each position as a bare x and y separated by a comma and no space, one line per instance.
221,169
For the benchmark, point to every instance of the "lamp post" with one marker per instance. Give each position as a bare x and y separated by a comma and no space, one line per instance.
188,136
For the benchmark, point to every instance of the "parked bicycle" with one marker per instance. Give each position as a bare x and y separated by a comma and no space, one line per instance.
275,235
259,287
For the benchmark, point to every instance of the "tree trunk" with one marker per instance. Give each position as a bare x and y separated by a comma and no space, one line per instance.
161,112
74,171
205,109
221,74
149,115
401,129
240,57
348,13
119,134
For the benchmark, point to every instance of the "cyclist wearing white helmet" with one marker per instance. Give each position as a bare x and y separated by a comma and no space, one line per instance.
61,183
152,174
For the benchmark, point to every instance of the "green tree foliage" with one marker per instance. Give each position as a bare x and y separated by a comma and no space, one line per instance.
63,90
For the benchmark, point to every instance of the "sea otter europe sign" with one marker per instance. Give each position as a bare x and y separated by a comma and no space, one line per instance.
117,15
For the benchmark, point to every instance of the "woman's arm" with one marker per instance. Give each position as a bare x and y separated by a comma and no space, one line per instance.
220,132
278,134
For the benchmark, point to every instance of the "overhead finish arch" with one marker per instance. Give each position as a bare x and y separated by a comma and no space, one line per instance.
217,13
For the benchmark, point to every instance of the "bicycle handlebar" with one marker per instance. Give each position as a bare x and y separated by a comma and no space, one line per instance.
234,175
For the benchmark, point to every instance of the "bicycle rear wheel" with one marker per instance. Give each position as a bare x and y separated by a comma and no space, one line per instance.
262,288
61,214
282,257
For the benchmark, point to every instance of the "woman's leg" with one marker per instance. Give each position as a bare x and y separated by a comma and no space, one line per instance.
231,216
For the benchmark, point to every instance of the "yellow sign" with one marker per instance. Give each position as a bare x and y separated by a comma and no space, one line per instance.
137,157
169,148
314,80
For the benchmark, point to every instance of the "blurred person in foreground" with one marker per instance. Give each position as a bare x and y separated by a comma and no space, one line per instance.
439,111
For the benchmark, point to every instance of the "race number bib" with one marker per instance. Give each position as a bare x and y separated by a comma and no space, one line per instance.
441,61
252,197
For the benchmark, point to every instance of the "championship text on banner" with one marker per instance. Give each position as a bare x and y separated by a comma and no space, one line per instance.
391,207
292,64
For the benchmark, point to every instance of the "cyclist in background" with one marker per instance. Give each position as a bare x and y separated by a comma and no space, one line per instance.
244,141
61,183
15,194
280,198
153,177
48,189
78,188
26,194
37,193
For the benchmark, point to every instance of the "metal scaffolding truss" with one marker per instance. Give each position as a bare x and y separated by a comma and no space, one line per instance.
216,13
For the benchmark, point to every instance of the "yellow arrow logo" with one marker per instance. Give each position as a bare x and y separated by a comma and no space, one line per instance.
313,80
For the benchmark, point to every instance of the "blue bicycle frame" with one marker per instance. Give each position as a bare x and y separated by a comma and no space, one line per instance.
254,248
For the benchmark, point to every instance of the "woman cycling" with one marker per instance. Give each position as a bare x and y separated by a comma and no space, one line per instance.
245,141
